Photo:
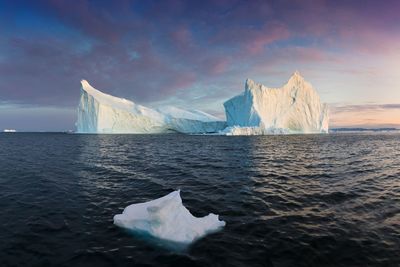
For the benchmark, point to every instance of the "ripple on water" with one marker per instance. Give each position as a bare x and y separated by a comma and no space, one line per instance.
314,200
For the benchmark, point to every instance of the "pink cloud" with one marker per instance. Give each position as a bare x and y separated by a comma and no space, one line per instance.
252,40
182,37
219,65
267,35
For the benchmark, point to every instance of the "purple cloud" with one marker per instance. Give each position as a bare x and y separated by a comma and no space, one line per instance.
154,50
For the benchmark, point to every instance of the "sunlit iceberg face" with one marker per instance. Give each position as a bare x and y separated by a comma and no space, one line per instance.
167,219
293,108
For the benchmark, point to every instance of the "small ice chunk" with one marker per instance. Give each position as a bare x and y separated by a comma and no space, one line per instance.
166,218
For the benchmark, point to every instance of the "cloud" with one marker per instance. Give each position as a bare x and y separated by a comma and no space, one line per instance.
250,39
365,115
365,108
152,51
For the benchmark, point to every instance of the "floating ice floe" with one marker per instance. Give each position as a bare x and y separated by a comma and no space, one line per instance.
166,218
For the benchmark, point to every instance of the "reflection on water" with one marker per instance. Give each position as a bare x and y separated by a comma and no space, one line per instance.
312,200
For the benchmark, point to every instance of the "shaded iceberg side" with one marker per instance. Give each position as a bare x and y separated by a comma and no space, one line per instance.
195,126
166,218
102,113
191,121
87,113
293,108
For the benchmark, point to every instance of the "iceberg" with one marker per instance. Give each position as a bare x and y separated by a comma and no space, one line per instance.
102,113
293,108
166,218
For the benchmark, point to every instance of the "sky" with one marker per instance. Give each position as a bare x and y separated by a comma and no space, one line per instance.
196,54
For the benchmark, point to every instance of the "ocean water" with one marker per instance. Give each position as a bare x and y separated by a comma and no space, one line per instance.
299,200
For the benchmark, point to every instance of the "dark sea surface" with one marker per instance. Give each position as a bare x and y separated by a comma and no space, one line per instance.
297,200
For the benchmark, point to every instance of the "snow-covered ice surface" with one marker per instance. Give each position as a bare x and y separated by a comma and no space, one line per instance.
167,219
293,108
102,113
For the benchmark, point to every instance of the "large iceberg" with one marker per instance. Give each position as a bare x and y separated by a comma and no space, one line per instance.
102,113
293,108
259,110
166,218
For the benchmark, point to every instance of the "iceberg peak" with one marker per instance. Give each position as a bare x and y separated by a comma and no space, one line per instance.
297,73
84,82
86,85
296,79
251,84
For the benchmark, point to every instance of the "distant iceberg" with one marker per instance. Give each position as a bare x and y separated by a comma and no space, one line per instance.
293,108
103,113
166,218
